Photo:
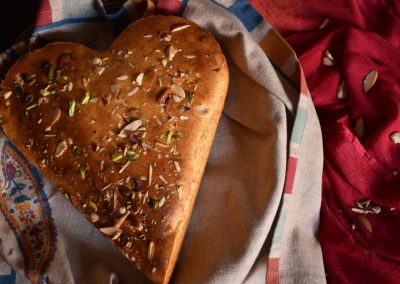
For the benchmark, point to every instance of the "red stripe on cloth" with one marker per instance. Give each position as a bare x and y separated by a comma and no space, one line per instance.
169,6
44,15
272,276
290,173
303,83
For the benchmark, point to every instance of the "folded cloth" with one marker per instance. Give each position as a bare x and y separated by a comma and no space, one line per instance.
257,212
361,127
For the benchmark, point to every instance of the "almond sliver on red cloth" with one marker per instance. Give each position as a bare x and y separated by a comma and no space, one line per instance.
361,199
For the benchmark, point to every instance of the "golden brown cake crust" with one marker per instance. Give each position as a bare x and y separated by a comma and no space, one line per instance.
126,133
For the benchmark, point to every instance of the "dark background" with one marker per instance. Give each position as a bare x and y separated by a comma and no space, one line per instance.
16,16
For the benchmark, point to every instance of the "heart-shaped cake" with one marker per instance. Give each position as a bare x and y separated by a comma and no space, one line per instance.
125,134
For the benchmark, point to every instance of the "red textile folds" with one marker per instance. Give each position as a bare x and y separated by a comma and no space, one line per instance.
361,36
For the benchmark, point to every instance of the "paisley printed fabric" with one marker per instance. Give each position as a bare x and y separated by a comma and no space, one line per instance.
24,205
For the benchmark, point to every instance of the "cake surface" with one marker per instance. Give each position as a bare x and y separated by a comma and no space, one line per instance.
125,134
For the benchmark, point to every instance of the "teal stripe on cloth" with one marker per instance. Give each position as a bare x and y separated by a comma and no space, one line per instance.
280,225
299,124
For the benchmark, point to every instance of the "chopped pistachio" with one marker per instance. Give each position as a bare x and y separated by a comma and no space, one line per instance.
71,110
91,204
44,162
65,78
31,107
170,137
190,100
82,171
180,134
153,203
118,155
131,155
1,119
86,98
101,149
50,75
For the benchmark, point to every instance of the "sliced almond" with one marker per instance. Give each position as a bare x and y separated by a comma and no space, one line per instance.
117,235
171,51
395,137
328,59
364,222
370,79
161,202
150,174
132,126
94,217
55,116
329,55
179,27
150,251
139,79
122,219
201,110
133,91
61,148
324,23
99,70
179,93
122,77
70,86
327,62
177,166
164,62
359,128
85,82
110,231
7,95
115,89
97,61
341,91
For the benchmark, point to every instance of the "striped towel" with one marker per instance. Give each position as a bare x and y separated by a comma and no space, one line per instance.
257,212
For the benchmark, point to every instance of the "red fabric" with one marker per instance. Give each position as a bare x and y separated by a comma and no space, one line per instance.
44,15
361,36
